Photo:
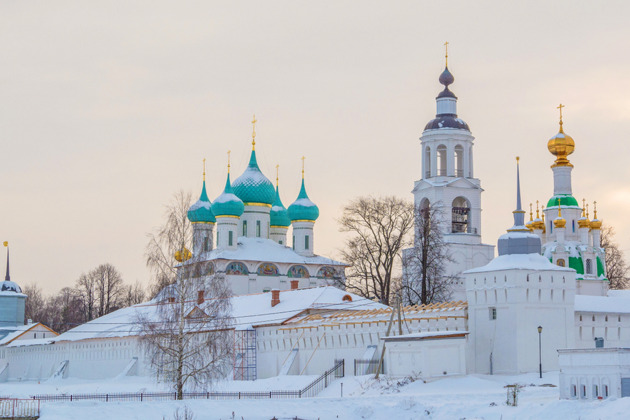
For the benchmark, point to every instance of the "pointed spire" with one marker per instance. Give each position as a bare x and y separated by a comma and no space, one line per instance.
8,276
519,213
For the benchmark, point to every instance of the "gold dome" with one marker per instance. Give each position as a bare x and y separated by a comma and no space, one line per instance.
559,222
583,221
183,255
561,145
595,223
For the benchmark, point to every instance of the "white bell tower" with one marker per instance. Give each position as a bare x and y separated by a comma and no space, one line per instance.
448,183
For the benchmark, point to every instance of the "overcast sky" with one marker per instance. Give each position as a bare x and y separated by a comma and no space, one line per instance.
108,107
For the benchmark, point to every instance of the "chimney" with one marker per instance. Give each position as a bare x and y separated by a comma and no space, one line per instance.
275,297
295,284
200,297
171,300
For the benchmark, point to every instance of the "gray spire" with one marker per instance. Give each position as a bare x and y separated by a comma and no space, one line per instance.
8,276
519,240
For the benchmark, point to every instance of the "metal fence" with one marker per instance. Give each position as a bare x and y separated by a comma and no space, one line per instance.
367,367
18,408
312,389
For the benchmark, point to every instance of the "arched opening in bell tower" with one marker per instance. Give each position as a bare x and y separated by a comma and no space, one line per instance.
441,160
460,211
459,161
427,162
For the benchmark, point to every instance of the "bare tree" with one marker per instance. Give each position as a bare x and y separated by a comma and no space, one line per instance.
616,267
35,305
109,287
379,230
189,339
175,235
424,274
86,288
133,294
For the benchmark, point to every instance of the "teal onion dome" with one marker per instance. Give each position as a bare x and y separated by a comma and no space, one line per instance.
252,186
228,204
201,211
279,215
303,208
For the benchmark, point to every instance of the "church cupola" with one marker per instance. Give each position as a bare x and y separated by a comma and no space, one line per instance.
303,214
257,194
519,239
595,226
12,300
201,216
279,217
227,209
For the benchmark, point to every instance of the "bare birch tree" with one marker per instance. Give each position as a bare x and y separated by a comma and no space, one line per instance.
424,275
379,229
617,270
109,286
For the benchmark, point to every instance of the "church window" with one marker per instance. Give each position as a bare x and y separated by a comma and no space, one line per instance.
606,318
293,242
589,266
459,161
280,241
244,227
441,160
573,224
493,313
427,161
306,242
563,296
326,272
230,238
206,244
258,228
527,295
460,212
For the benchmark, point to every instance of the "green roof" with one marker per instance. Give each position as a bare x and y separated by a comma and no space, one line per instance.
303,208
227,204
201,211
279,215
252,186
565,200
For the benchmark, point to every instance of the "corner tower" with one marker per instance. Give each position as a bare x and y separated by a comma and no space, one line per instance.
448,183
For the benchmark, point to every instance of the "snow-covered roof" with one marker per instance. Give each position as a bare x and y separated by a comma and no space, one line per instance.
617,302
519,262
247,310
17,331
265,250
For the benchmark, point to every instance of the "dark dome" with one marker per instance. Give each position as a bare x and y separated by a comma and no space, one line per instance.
446,94
446,78
447,121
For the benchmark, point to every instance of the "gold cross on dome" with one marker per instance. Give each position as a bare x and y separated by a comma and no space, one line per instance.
229,151
560,108
446,51
254,121
303,157
277,174
204,169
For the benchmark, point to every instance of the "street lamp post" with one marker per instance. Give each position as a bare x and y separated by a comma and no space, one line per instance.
539,351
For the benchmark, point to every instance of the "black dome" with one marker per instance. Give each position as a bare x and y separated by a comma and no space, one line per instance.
447,121
446,94
446,78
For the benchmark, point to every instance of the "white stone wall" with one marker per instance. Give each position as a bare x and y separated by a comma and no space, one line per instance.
434,358
592,374
522,300
614,328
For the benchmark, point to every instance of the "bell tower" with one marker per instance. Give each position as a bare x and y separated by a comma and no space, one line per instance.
448,183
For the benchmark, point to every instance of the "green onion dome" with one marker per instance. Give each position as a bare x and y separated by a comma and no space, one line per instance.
228,204
201,211
279,215
565,200
303,208
252,186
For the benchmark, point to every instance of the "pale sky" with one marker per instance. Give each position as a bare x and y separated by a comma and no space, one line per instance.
108,107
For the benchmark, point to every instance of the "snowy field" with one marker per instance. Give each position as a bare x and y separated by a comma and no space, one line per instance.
469,397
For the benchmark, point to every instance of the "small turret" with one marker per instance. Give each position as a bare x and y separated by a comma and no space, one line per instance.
228,209
203,220
303,214
279,218
12,300
596,225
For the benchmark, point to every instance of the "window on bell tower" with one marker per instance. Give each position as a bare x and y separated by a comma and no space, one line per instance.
460,216
459,161
441,160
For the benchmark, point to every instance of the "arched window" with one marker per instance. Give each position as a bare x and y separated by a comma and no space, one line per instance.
441,160
298,272
326,272
589,266
459,161
237,269
460,212
427,162
208,269
561,262
267,269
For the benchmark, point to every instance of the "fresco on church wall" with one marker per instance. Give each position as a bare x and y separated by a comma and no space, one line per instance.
326,272
298,272
237,269
267,269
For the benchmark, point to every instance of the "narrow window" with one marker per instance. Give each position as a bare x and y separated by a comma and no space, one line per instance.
244,227
306,242
280,241
206,244
492,313
230,239
293,241
258,228
589,266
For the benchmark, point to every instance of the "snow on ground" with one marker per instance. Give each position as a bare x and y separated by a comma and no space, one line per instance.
468,397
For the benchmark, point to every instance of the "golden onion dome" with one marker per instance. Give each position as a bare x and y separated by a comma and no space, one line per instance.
559,222
561,145
595,223
183,255
583,221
